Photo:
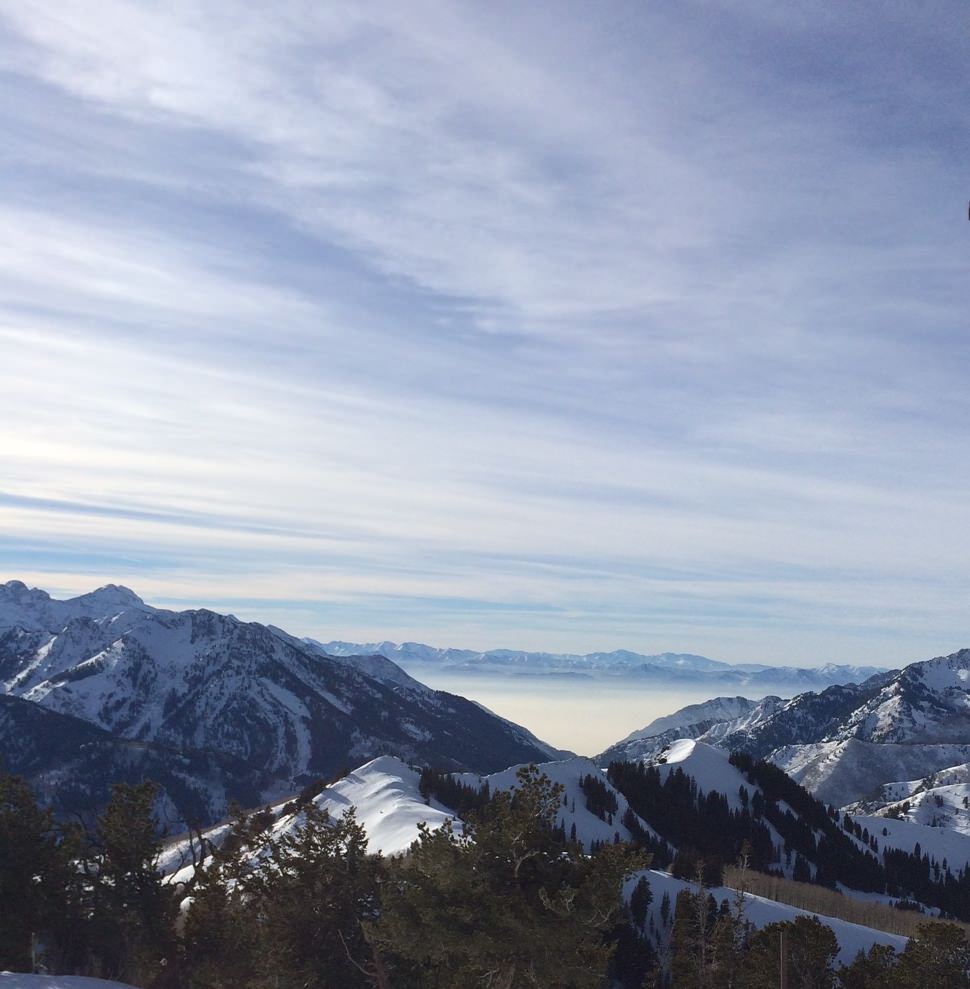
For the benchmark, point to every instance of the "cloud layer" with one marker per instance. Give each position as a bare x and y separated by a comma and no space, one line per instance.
492,325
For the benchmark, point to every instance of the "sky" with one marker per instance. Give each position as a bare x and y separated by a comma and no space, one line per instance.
554,326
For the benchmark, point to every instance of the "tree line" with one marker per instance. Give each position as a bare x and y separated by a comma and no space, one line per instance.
508,902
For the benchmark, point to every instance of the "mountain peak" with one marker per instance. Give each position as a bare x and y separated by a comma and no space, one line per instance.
18,590
115,594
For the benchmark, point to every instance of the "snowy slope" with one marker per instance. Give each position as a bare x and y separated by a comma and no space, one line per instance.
759,911
567,773
709,767
939,800
939,843
35,610
388,802
843,771
845,742
715,710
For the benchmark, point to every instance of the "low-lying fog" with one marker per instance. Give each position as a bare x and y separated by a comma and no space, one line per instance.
586,716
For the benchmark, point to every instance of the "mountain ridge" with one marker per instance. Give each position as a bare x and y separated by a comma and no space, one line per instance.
676,667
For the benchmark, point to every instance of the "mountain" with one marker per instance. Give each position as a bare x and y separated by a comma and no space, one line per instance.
200,682
847,741
667,667
708,722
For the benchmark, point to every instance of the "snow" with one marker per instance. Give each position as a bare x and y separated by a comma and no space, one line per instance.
567,773
386,795
852,938
938,843
709,767
389,804
18,980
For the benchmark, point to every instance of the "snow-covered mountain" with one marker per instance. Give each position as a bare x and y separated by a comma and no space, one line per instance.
709,722
845,742
678,668
201,682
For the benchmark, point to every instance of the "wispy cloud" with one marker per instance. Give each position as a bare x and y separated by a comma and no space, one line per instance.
493,325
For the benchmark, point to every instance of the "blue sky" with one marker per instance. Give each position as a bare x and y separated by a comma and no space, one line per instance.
541,325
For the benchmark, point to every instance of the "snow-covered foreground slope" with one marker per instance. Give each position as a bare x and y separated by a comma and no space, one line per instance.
386,795
761,912
17,980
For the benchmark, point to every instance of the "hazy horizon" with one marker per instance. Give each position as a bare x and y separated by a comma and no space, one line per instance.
585,717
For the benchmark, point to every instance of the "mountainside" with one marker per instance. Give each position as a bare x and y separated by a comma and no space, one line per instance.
201,682
845,742
670,667
73,764
939,800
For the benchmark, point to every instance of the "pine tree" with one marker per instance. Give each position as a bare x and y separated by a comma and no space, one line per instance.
875,970
317,897
810,951
938,956
28,858
133,918
506,903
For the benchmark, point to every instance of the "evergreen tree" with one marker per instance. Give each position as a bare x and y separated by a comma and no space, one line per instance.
937,957
875,970
29,857
810,949
507,903
316,897
133,918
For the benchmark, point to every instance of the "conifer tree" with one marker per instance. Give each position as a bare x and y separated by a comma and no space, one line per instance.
809,952
875,970
133,918
317,897
28,861
507,903
938,957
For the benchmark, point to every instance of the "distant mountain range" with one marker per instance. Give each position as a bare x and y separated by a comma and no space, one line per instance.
896,736
103,688
667,667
